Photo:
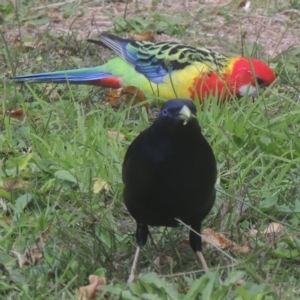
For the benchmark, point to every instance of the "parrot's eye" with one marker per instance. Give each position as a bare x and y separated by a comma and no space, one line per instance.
165,112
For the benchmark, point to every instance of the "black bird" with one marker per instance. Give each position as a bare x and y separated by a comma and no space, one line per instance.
169,172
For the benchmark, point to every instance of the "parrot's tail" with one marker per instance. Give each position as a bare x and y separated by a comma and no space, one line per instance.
92,76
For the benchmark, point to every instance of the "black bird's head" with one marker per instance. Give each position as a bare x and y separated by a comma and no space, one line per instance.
175,114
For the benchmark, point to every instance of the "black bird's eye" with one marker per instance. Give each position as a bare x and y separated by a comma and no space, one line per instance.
260,81
164,112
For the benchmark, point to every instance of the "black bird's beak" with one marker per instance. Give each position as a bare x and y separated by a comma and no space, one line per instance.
185,114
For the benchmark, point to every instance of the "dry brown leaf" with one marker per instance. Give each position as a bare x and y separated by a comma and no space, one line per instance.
23,45
15,114
35,254
44,235
116,135
29,45
253,231
29,25
132,90
113,96
17,42
14,184
22,261
242,3
185,241
19,114
145,36
4,219
90,291
163,260
220,241
273,228
55,15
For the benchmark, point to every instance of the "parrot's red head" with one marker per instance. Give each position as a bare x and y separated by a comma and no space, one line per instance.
247,74
242,76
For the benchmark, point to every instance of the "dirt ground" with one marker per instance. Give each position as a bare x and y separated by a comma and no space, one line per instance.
214,23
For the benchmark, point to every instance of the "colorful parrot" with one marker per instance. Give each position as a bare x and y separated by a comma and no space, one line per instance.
167,70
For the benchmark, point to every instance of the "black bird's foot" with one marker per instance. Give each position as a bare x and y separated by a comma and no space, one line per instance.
134,266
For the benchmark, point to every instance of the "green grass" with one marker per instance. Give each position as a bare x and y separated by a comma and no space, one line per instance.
62,146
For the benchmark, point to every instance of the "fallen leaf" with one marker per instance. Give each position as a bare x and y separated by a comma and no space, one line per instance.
55,15
145,36
185,241
22,261
242,4
113,96
29,25
240,282
28,45
19,114
100,184
116,135
131,93
35,254
15,114
253,231
220,241
90,291
245,5
163,260
13,184
4,219
17,42
273,228
43,237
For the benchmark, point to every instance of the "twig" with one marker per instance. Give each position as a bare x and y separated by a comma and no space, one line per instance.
54,4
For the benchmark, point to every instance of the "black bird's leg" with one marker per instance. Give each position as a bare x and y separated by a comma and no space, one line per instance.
134,265
203,262
142,232
196,245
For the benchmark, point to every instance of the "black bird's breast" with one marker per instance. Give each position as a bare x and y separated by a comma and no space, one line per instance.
169,177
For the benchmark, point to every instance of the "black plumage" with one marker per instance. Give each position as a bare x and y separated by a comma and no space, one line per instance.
169,172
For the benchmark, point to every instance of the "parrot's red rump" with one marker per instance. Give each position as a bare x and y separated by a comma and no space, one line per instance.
112,82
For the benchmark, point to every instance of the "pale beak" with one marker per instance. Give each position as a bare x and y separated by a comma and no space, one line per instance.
185,114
